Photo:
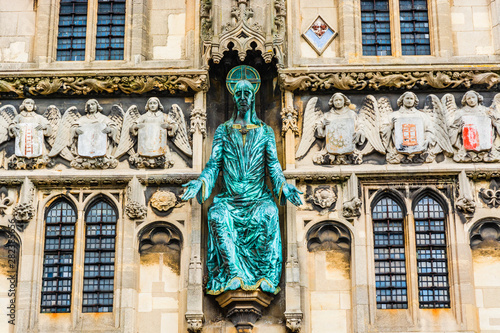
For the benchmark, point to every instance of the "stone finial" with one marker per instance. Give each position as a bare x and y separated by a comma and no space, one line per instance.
25,210
465,202
136,203
351,207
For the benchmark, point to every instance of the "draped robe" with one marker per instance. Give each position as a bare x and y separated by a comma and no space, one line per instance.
244,242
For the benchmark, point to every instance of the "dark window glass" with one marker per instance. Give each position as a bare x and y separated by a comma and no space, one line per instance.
110,30
99,269
414,27
72,30
376,27
433,287
58,258
389,247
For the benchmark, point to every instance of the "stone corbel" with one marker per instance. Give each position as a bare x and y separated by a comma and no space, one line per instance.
136,203
351,208
465,202
195,322
24,211
293,321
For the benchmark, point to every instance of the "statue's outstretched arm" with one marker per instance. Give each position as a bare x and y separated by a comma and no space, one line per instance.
281,188
203,186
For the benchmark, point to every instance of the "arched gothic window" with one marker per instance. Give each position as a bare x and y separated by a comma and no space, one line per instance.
430,233
389,247
99,270
58,257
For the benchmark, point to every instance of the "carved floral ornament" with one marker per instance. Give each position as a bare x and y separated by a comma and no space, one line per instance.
377,80
163,200
21,87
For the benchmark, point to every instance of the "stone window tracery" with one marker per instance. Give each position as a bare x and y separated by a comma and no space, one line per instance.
432,265
100,235
58,258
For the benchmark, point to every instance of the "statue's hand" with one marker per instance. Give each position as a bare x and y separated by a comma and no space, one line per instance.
359,138
138,126
40,127
166,126
78,131
193,187
291,193
106,130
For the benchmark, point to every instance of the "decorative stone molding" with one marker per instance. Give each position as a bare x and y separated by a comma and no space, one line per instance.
485,234
326,236
294,321
104,162
24,211
289,117
62,84
199,121
465,202
244,307
163,200
377,80
136,203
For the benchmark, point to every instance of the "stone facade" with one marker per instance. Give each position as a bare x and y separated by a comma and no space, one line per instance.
181,52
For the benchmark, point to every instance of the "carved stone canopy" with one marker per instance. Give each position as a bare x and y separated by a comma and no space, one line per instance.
328,235
485,234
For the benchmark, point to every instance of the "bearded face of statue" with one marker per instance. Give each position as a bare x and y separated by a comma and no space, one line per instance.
243,97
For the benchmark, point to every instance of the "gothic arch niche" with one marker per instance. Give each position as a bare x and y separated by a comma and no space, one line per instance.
10,246
485,245
329,266
160,245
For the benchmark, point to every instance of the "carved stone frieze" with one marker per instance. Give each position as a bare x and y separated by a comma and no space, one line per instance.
378,80
19,86
199,121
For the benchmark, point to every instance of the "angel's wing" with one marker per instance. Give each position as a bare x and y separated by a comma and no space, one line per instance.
53,115
450,107
63,137
495,106
439,127
127,141
116,115
181,139
368,123
7,115
312,114
384,107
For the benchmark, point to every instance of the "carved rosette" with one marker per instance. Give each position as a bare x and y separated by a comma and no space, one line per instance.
379,80
199,121
163,200
289,116
324,197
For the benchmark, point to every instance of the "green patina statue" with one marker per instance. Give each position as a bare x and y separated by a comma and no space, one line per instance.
244,243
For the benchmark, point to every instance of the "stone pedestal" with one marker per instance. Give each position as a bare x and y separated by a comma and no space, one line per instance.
243,307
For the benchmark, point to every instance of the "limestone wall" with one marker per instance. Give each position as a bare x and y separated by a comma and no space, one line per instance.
17,31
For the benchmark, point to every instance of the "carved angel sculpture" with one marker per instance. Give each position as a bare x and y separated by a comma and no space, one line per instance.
342,129
472,127
418,135
29,129
151,131
87,141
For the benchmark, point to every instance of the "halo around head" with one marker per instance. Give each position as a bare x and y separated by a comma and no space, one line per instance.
242,72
